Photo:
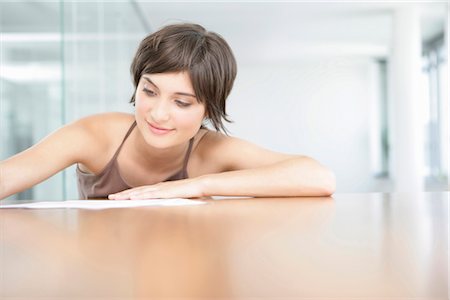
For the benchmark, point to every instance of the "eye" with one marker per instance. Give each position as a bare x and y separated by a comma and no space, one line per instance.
182,103
149,92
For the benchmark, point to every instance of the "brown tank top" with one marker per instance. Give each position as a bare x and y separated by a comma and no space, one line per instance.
109,180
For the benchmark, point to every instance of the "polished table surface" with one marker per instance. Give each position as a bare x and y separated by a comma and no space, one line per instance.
350,246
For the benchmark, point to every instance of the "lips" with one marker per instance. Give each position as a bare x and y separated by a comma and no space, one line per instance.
158,130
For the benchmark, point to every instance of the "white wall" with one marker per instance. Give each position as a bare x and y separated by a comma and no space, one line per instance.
316,107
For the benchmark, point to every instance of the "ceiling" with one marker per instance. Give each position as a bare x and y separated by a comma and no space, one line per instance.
256,30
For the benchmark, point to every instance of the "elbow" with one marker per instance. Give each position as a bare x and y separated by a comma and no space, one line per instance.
322,181
323,184
328,186
320,185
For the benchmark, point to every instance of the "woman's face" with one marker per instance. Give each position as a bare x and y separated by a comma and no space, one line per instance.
167,110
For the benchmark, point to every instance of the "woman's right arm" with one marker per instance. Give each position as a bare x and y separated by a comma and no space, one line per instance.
57,151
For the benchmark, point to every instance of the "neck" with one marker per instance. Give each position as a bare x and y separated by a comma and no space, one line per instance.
157,157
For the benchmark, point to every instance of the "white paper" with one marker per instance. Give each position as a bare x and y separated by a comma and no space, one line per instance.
102,204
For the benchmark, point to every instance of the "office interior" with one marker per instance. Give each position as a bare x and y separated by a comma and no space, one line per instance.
360,86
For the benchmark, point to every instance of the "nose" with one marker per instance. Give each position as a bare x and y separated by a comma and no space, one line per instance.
160,111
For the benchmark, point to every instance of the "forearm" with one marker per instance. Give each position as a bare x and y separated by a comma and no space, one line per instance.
11,182
300,176
294,177
18,173
3,193
5,183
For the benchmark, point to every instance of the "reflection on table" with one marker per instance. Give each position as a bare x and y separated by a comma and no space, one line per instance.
368,246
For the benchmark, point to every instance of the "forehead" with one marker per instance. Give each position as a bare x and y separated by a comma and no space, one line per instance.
174,81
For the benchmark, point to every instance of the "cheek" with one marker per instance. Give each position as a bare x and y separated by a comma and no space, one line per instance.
190,120
141,106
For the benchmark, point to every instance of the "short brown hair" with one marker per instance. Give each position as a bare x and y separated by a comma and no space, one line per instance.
206,57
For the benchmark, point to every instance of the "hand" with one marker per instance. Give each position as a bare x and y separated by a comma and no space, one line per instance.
185,188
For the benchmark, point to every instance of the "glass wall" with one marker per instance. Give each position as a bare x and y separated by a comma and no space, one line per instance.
61,61
31,85
435,77
99,41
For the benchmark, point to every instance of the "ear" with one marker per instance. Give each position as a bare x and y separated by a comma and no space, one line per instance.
206,120
133,98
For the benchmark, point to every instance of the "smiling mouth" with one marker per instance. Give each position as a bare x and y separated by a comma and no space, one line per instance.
158,130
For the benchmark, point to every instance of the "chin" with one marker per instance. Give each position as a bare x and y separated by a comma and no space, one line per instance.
160,143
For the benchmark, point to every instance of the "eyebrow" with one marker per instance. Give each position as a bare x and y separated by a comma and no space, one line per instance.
178,93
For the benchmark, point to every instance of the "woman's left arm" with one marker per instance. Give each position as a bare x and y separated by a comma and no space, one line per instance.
295,176
243,169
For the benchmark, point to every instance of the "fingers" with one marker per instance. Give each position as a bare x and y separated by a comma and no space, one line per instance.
144,192
173,189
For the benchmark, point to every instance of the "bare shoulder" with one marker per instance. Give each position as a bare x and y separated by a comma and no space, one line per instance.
101,133
105,123
212,143
206,147
217,144
218,152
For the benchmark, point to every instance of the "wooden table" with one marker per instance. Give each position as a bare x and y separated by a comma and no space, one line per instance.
351,246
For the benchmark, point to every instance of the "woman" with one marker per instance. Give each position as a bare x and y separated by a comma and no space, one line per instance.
182,76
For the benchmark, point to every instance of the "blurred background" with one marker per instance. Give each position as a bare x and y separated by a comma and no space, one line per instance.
360,86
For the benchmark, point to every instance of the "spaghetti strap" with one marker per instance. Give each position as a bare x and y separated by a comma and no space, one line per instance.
188,153
124,139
